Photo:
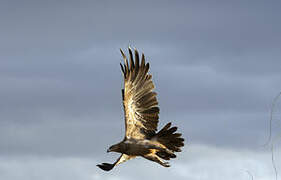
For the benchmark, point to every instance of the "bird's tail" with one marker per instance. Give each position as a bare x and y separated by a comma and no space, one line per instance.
171,140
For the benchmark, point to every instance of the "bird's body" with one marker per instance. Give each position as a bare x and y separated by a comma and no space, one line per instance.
135,147
140,147
141,118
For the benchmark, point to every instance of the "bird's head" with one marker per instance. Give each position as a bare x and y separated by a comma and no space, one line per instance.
114,148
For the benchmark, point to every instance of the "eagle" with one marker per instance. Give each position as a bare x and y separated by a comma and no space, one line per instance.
141,118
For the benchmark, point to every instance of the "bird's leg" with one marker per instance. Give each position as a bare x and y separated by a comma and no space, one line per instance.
151,145
160,148
155,158
167,151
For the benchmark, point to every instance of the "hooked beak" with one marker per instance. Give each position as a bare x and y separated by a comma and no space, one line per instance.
108,150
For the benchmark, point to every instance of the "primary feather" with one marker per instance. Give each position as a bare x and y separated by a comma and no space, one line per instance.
140,103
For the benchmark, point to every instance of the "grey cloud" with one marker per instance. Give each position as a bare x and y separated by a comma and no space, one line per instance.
204,26
193,164
216,67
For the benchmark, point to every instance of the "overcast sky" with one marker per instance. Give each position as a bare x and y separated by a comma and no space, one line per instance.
216,66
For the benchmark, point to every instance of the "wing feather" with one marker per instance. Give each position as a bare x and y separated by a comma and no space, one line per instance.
139,100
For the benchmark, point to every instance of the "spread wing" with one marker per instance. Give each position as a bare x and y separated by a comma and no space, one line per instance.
139,100
121,159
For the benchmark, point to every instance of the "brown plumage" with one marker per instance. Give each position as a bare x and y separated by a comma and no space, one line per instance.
141,118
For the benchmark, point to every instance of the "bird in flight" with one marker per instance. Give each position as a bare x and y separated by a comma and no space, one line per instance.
141,118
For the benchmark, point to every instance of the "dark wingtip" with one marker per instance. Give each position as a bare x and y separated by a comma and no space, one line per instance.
106,166
121,51
122,68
